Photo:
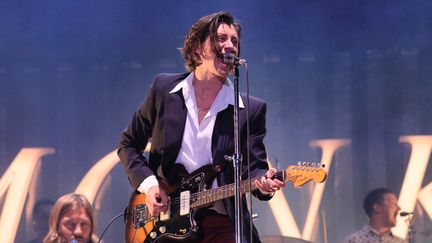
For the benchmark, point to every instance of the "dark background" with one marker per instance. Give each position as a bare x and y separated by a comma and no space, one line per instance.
73,72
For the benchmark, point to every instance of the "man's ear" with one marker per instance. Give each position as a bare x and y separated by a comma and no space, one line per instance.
377,208
199,49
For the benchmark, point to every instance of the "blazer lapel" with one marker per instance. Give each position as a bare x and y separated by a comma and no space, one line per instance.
222,138
174,122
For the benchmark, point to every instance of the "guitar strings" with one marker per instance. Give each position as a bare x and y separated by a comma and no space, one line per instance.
204,196
213,194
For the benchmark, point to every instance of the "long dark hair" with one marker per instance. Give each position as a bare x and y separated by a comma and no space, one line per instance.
198,33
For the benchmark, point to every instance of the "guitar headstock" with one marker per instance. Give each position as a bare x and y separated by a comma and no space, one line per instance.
304,172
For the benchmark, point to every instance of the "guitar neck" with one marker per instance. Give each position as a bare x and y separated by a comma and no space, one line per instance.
205,197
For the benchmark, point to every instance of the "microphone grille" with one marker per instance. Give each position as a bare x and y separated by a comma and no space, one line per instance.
403,214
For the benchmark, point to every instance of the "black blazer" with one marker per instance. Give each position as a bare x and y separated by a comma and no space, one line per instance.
162,117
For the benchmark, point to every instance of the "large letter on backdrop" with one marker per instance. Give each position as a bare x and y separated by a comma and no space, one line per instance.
329,148
279,203
16,181
92,181
420,153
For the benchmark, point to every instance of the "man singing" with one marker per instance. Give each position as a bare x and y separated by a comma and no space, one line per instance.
189,118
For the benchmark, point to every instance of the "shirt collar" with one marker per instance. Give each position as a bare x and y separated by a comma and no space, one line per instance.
226,93
369,228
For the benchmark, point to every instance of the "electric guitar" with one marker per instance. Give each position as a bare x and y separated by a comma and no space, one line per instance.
193,193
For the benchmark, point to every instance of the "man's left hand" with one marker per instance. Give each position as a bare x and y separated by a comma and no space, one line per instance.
267,185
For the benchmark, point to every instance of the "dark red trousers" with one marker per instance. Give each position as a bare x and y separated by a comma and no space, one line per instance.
217,229
214,228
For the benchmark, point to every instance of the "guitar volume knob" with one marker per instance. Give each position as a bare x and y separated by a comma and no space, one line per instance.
162,229
153,235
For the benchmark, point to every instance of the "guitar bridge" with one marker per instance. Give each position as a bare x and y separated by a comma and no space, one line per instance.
139,216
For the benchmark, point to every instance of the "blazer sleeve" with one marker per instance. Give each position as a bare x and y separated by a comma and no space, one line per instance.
257,151
135,137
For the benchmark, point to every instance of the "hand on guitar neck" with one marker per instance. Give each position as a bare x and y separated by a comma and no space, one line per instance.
268,184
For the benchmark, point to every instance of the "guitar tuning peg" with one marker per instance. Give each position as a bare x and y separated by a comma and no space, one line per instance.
304,163
308,163
314,164
298,162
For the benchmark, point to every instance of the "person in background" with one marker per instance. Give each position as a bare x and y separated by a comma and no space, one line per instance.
189,118
72,220
40,218
381,206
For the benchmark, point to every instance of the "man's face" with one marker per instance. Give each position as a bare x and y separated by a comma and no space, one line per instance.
389,209
227,41
75,224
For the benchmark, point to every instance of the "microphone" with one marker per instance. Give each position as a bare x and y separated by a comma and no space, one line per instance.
230,59
403,214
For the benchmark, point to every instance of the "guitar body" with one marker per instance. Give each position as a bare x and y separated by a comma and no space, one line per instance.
141,228
132,233
192,193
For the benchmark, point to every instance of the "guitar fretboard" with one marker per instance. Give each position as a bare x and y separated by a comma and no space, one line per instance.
205,197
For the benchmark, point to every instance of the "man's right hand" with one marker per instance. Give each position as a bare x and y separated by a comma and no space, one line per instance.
156,200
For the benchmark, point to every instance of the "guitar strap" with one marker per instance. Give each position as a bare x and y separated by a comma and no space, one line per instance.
174,175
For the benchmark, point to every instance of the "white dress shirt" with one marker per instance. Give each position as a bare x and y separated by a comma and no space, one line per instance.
195,151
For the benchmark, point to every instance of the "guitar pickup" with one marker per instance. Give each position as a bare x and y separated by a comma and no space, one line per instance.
184,203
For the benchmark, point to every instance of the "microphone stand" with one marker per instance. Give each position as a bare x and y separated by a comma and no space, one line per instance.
411,230
237,158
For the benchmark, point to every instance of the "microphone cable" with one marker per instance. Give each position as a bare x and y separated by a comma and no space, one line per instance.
133,238
107,227
248,154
